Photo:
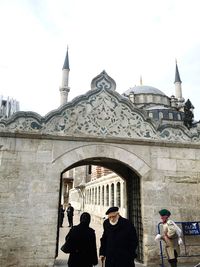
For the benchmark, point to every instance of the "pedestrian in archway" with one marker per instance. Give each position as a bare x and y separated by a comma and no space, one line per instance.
81,244
171,235
61,215
70,214
119,241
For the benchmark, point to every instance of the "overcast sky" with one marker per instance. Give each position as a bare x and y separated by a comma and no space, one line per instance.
126,38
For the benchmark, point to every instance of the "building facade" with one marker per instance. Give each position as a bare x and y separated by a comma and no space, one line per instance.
152,154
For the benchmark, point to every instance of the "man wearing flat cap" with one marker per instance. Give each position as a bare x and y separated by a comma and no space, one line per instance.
171,236
119,240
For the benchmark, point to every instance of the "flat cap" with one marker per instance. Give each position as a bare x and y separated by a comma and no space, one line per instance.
112,209
164,212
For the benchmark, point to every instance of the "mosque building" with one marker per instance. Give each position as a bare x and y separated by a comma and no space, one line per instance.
95,188
139,150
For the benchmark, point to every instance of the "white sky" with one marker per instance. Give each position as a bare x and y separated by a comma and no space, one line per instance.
126,38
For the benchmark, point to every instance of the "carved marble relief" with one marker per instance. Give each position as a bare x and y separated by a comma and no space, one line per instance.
102,112
101,115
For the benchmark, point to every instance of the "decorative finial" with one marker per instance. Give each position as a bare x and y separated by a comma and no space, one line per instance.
103,81
140,79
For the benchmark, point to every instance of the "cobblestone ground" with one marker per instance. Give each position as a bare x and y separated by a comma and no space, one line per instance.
62,258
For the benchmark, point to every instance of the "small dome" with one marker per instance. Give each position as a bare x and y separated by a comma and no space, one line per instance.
143,89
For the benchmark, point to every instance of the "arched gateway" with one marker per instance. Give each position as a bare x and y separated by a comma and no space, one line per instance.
121,161
160,162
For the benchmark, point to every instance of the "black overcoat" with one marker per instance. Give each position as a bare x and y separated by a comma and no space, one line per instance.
70,211
119,243
82,246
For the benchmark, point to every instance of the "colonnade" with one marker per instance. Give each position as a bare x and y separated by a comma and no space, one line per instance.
100,194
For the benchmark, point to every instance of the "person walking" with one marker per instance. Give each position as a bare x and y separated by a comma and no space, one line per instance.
70,214
171,236
81,243
119,241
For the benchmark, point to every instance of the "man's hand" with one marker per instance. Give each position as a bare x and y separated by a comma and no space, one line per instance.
102,258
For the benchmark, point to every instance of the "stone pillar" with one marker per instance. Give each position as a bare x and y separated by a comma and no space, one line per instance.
109,193
122,193
115,194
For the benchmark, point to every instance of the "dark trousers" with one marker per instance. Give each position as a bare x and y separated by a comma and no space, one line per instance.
173,262
70,220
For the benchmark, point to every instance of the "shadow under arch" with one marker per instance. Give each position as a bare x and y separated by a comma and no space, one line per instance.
124,163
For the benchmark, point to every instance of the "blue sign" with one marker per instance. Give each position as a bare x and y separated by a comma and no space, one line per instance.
190,228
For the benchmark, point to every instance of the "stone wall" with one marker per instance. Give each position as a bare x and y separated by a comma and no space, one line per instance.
174,183
29,189
30,172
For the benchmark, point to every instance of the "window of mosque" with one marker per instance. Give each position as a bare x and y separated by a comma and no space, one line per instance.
150,98
170,116
112,195
179,117
137,99
167,101
150,114
160,115
142,99
89,169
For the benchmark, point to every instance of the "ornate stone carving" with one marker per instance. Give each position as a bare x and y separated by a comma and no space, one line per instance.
101,112
102,115
103,81
174,134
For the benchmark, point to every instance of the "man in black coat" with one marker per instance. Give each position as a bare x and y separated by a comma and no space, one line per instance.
119,241
61,216
70,214
81,244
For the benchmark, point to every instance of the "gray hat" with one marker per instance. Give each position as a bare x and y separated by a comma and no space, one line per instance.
112,209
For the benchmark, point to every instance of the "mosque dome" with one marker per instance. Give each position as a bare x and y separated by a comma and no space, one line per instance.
144,89
145,96
156,104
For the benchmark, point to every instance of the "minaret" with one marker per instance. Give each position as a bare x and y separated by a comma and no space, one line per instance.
64,88
141,80
177,82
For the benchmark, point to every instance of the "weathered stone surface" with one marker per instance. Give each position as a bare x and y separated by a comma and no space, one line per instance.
35,150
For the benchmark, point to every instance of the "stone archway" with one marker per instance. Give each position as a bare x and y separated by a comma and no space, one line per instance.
35,150
72,156
123,162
